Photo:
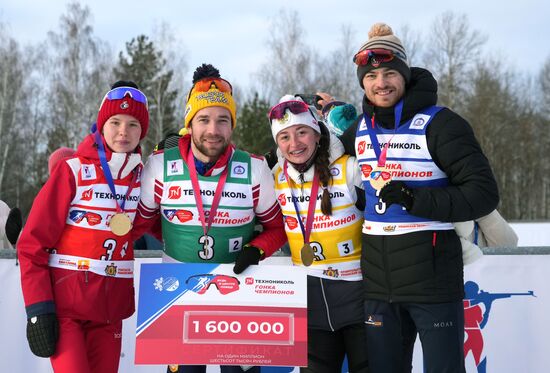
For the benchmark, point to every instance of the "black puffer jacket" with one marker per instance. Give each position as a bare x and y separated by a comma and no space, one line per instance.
427,266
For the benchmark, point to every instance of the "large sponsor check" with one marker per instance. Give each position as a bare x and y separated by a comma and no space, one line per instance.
205,314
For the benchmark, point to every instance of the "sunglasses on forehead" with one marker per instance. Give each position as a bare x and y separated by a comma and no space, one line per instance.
295,107
204,85
375,57
121,92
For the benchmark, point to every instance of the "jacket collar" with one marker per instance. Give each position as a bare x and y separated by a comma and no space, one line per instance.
120,164
185,147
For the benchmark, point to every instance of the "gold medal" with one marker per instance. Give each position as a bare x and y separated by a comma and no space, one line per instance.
120,224
379,177
307,254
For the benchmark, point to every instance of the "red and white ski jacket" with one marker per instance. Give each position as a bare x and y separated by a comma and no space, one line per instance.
71,261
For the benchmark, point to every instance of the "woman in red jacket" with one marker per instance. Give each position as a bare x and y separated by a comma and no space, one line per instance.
76,249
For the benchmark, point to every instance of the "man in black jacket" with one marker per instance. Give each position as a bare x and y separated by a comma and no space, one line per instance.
422,169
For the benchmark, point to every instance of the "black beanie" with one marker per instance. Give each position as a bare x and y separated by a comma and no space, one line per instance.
381,37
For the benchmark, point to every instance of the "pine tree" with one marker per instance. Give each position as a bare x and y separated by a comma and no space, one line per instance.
143,64
253,132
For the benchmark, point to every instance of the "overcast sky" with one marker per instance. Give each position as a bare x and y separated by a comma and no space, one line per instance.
231,34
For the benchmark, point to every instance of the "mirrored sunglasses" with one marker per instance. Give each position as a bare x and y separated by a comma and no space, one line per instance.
206,84
295,107
375,57
121,92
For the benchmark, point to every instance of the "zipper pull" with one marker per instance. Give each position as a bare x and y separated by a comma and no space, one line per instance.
434,239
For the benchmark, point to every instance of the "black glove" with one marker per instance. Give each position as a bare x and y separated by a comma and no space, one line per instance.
42,334
397,192
248,255
271,158
14,223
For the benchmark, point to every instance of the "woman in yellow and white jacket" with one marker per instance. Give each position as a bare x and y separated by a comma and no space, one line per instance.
324,235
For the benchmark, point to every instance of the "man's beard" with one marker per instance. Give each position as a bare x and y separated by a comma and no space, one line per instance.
212,153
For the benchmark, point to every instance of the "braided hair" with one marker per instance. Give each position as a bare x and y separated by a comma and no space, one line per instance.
322,164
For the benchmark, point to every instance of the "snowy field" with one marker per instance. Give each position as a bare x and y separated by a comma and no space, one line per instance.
532,233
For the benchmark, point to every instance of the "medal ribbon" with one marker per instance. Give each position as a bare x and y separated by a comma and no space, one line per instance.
381,154
196,192
306,231
109,176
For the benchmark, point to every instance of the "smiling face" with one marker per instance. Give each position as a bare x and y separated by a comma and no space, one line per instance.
210,133
384,87
298,143
122,133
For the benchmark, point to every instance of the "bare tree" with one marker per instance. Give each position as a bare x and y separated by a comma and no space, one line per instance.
80,75
289,67
544,78
543,142
453,50
22,124
412,41
174,51
11,76
513,135
335,73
